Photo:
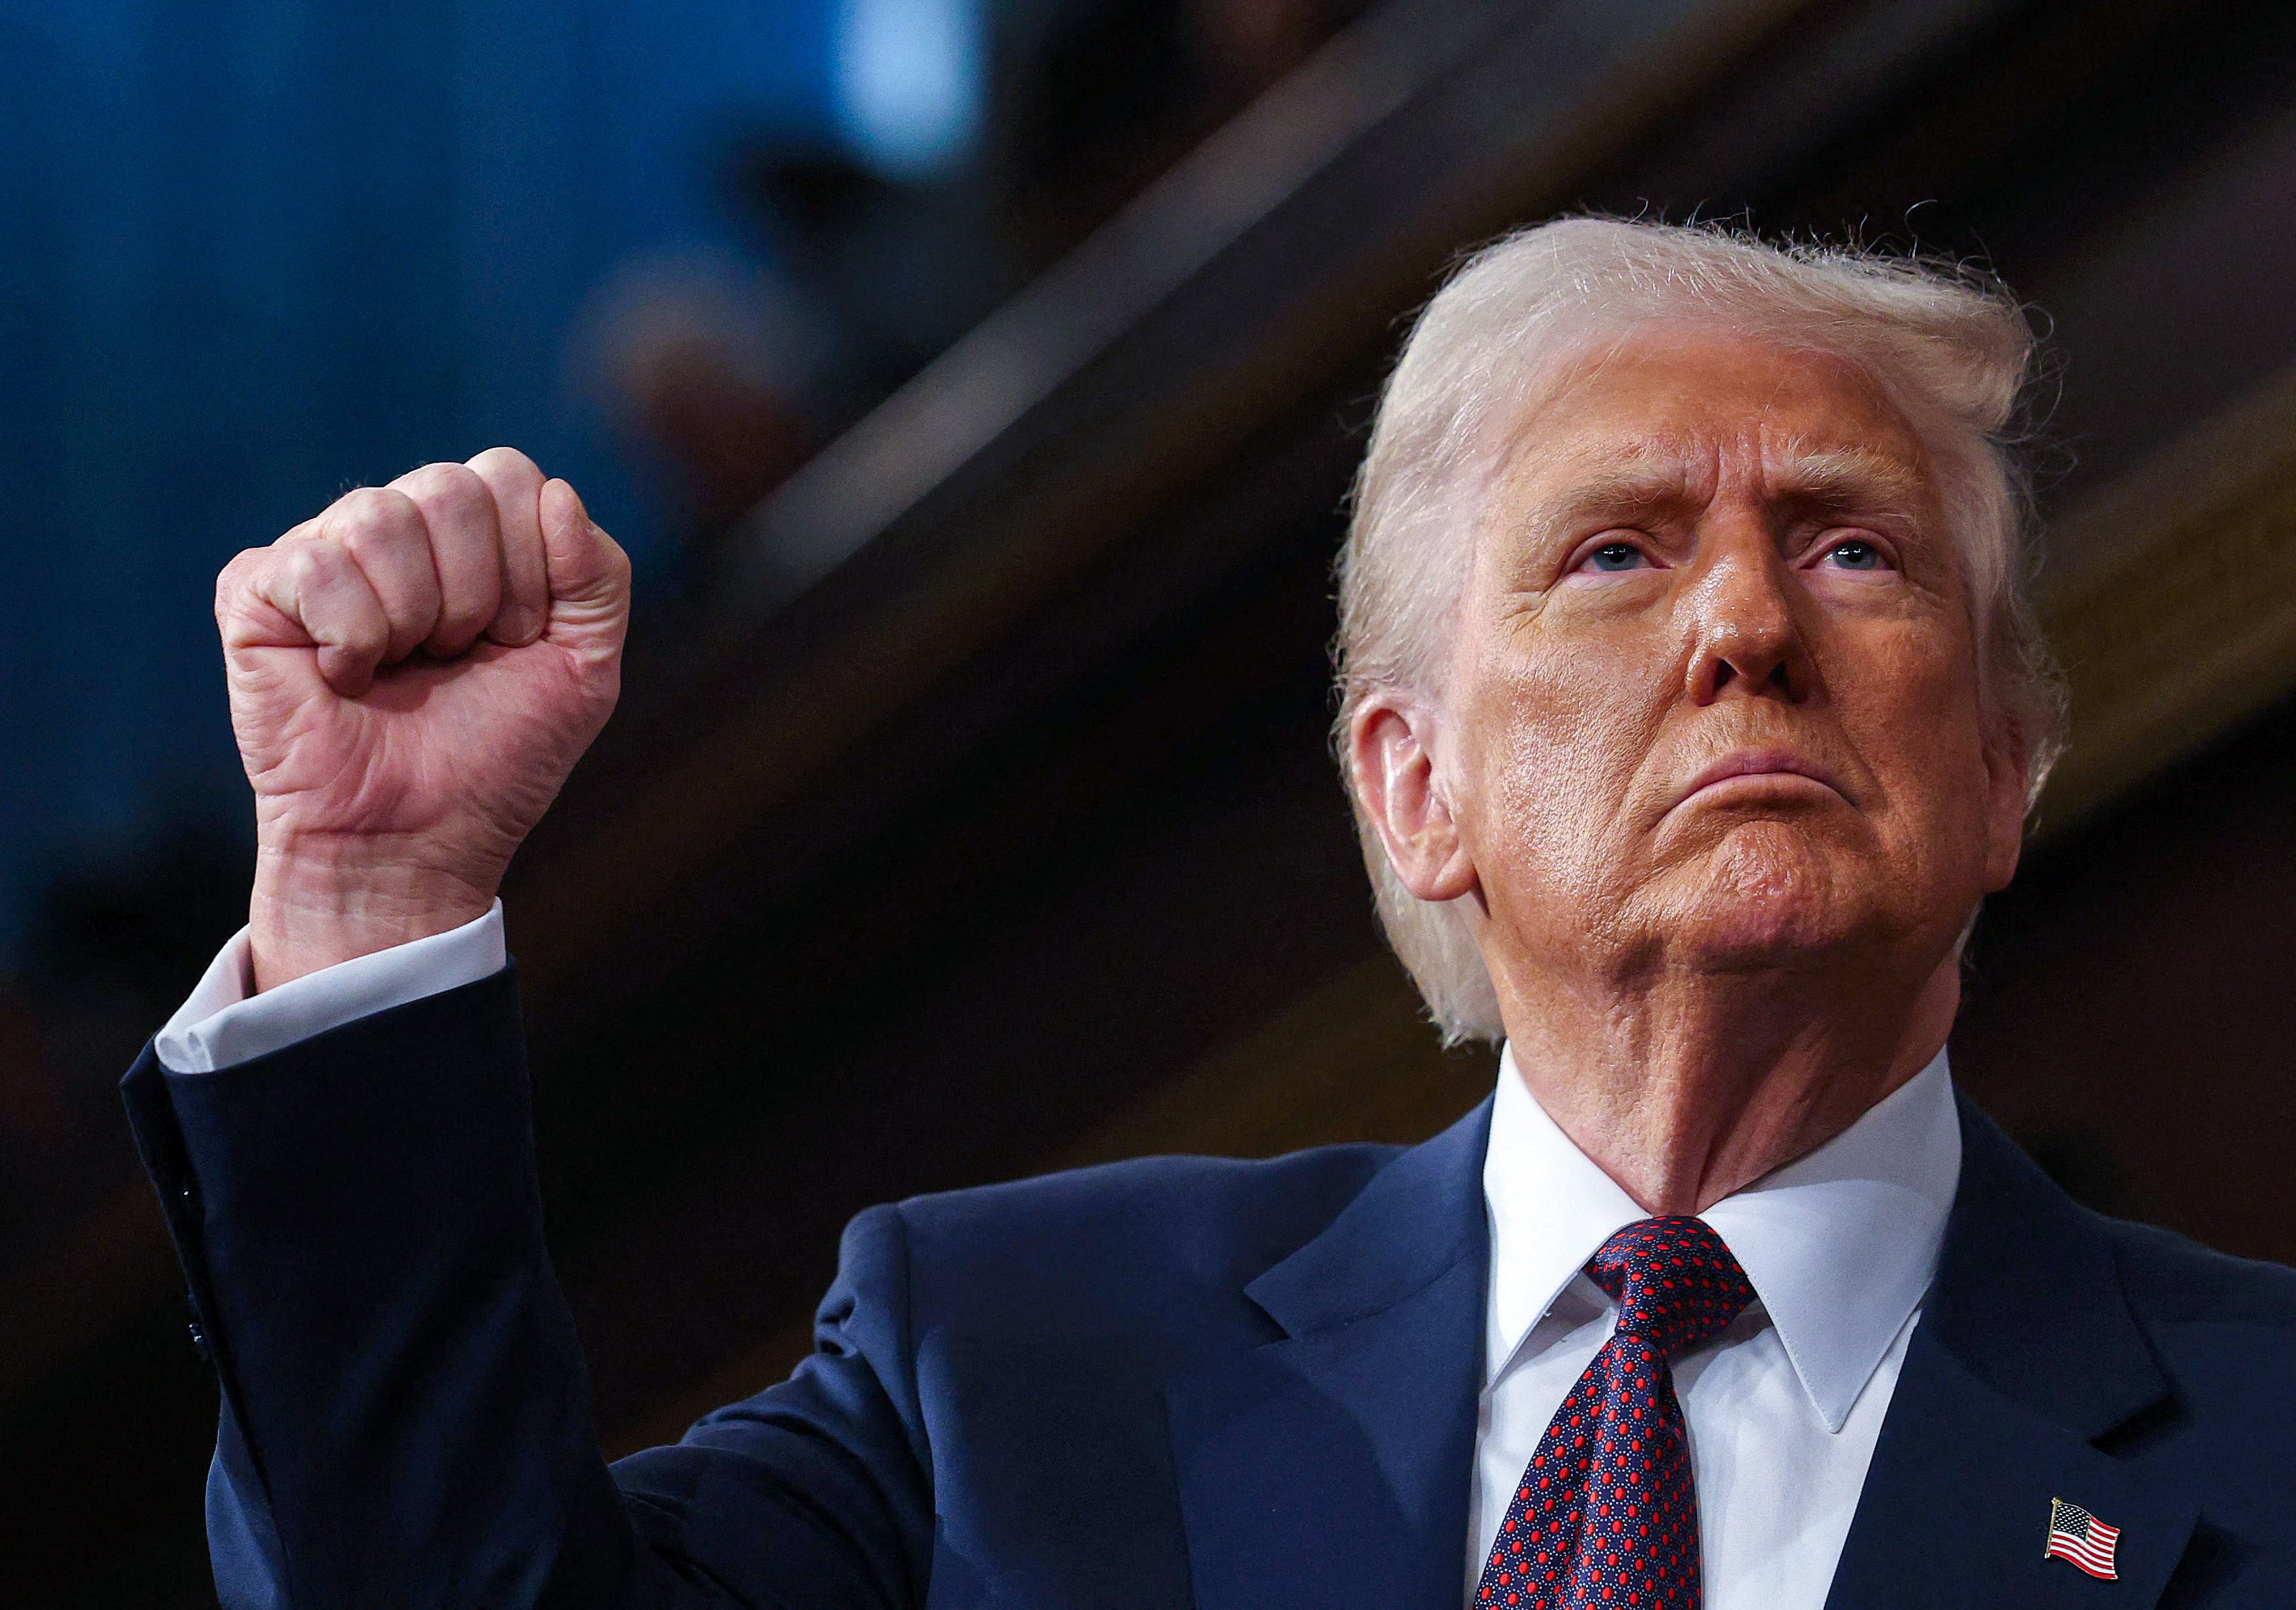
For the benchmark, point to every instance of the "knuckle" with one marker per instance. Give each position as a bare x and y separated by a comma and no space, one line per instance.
234,575
308,569
232,581
378,510
357,504
245,574
365,543
308,564
395,506
451,486
508,463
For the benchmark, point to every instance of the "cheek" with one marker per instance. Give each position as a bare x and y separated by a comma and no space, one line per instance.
1911,710
1927,688
1552,741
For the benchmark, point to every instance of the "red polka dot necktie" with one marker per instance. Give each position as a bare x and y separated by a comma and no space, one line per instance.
1605,1515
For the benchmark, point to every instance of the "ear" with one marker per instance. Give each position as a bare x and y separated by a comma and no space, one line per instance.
2007,766
1391,753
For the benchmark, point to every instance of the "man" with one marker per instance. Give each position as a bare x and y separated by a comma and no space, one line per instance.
1690,709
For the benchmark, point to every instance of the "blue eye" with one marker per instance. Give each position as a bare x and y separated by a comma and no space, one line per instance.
1615,556
1856,554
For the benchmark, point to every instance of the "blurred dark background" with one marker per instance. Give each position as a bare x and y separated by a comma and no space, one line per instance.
977,383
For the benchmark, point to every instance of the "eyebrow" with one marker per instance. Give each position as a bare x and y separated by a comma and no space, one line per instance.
1850,478
1654,479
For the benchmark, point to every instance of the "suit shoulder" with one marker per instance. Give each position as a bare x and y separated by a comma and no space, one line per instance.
2175,1280
1218,1216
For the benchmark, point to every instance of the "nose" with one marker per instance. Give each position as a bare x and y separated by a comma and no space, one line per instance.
1747,642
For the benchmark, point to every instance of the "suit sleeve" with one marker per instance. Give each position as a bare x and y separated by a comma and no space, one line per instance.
405,1413
224,1023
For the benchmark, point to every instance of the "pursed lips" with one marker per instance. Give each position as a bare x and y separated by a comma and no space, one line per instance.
1760,762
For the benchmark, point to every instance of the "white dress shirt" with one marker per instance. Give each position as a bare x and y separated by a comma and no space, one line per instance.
224,1022
1784,1407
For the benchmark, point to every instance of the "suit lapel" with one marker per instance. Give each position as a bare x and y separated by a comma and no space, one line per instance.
1331,1466
2025,1358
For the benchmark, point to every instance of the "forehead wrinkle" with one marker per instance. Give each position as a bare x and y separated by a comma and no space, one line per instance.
1845,477
1655,472
1802,457
1660,482
1640,473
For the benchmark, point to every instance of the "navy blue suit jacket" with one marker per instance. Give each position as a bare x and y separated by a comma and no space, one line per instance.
1235,1385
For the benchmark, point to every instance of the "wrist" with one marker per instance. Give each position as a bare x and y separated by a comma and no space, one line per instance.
313,911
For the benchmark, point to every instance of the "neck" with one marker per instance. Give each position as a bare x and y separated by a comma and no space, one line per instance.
1688,1086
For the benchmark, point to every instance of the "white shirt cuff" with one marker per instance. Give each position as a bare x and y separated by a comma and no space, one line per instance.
225,1023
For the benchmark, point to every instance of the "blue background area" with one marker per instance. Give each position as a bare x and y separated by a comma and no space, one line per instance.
252,253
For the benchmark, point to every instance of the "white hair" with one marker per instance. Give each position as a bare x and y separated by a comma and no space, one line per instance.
1949,348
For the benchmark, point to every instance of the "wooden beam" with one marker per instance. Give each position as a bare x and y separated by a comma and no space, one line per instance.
2176,615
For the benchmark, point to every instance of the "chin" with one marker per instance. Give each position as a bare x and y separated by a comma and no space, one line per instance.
1765,896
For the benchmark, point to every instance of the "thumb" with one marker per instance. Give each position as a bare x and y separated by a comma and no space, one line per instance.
589,572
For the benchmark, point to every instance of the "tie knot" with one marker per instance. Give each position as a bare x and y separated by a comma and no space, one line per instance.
1675,1285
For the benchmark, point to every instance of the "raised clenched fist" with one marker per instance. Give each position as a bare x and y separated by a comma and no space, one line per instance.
413,674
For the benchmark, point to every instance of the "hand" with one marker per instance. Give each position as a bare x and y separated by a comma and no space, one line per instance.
413,674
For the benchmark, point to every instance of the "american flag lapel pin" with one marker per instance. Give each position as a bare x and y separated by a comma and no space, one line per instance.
2079,1537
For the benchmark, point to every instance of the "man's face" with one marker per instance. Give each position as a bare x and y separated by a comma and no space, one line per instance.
1704,552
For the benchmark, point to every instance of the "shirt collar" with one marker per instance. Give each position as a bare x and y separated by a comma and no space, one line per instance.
1839,1244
